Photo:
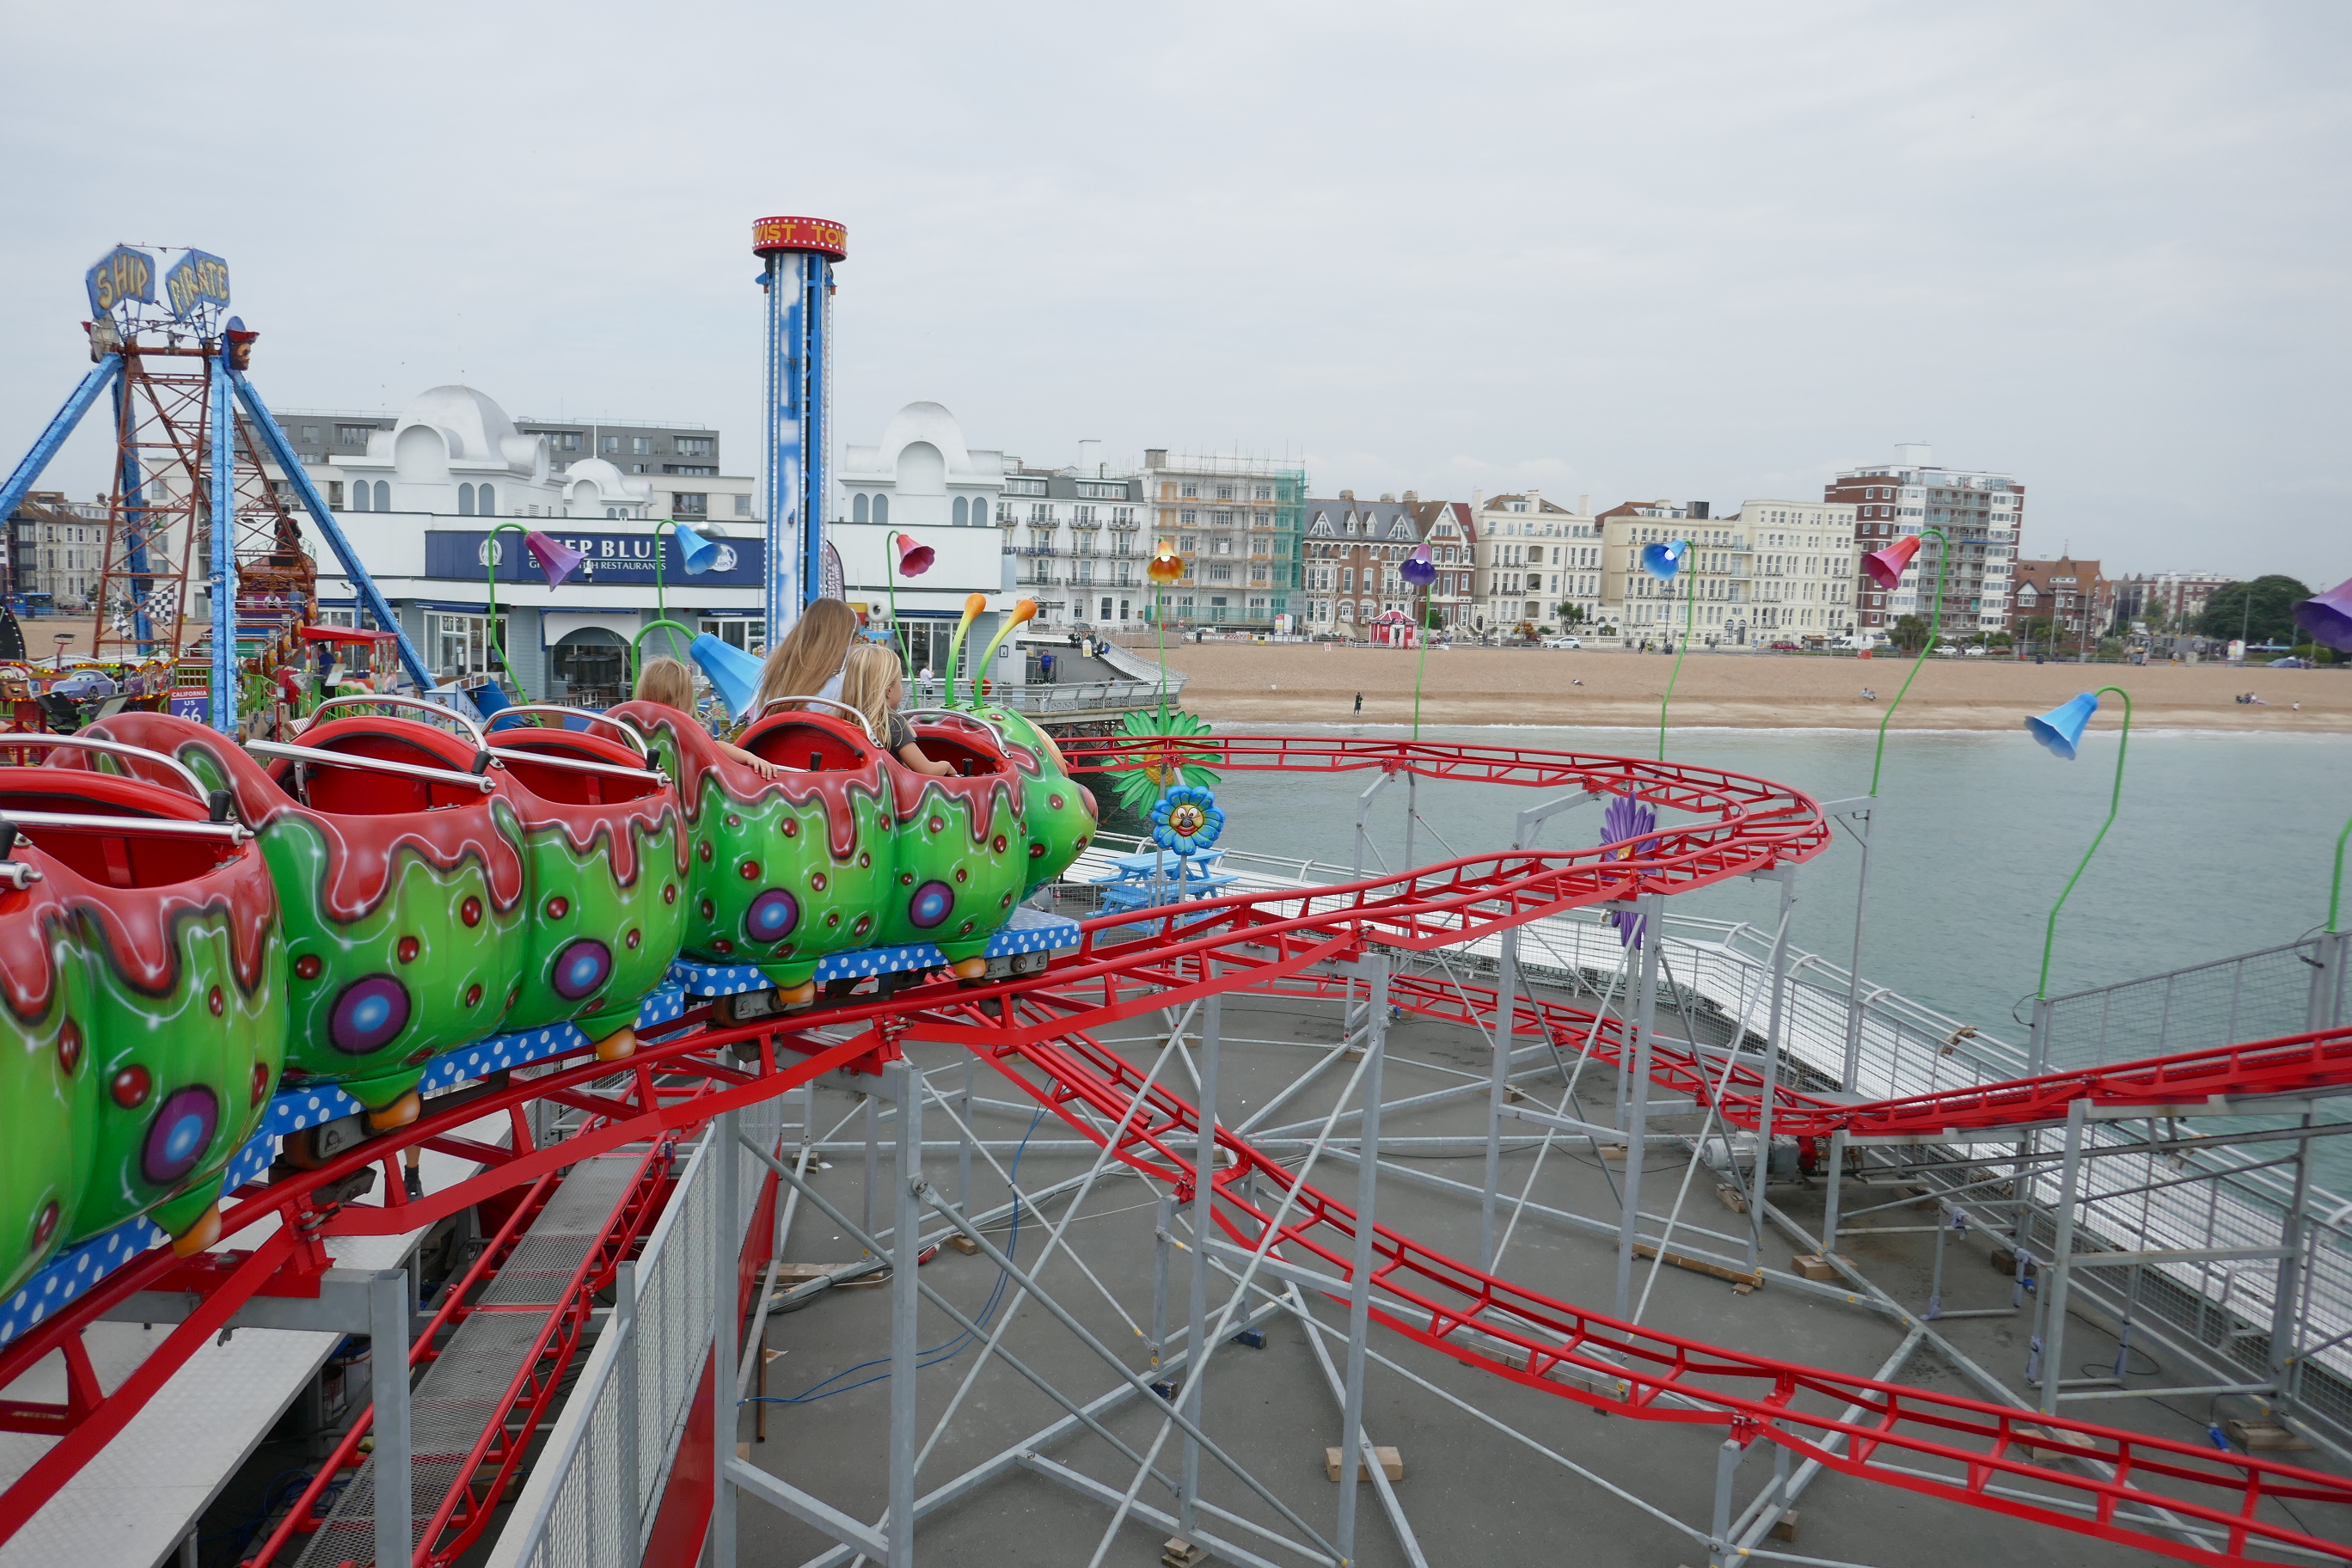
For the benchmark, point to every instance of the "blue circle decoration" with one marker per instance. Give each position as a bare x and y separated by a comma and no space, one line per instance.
772,917
182,1130
930,905
368,1016
582,968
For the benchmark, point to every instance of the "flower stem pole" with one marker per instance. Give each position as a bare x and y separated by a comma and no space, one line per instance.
1690,617
1934,620
891,587
2115,802
490,625
1421,634
2335,889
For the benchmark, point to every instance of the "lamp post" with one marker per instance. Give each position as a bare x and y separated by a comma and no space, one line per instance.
2060,731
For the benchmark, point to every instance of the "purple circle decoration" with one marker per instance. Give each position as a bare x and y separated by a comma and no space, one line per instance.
929,905
368,1016
179,1135
772,916
582,968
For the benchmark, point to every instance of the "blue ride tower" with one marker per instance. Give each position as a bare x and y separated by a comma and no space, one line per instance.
798,255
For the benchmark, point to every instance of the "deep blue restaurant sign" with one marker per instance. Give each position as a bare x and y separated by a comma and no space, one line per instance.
613,559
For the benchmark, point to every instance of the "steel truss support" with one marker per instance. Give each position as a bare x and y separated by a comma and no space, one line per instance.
1634,1121
61,424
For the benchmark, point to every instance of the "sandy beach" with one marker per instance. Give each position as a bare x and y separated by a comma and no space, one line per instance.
1316,683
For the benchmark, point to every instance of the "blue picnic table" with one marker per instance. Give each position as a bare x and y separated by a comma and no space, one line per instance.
1163,877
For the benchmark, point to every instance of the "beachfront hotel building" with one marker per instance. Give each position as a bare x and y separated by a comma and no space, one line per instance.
2180,596
1983,514
1532,556
2063,600
1773,571
1238,522
1077,534
1349,573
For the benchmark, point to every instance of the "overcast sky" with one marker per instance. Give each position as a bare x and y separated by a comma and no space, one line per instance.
1692,251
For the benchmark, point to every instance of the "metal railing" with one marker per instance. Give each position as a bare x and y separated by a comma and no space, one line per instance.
595,1493
2256,995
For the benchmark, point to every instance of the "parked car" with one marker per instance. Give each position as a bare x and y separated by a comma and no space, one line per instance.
1972,653
1562,642
1784,646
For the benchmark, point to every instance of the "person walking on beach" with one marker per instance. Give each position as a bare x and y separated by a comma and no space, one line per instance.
1360,703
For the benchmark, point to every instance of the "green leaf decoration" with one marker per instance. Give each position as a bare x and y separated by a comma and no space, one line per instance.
1161,762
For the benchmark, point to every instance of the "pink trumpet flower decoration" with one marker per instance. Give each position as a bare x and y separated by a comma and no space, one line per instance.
1887,566
555,558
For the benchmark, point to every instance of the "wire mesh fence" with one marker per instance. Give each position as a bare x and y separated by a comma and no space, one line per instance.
2256,995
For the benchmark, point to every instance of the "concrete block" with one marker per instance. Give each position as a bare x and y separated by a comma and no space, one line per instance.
1391,1464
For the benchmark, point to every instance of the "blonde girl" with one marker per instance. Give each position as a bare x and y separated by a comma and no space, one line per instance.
668,682
874,682
808,662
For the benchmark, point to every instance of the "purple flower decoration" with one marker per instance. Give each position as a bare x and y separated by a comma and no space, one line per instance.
1418,569
2328,617
1627,819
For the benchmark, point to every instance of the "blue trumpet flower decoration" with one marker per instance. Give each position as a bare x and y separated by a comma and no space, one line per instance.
1664,561
1187,819
1627,819
2061,729
1417,568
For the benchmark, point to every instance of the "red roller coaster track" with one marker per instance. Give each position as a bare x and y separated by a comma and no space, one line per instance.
1039,1028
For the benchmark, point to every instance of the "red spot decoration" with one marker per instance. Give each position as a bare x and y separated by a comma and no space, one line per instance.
130,1086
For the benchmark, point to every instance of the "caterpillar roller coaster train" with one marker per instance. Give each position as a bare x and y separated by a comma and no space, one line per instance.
260,942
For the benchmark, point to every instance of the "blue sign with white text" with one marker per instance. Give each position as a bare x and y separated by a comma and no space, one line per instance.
121,274
610,560
198,278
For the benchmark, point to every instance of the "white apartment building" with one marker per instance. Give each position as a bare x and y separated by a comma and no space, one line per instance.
1983,513
1533,555
1078,536
1773,571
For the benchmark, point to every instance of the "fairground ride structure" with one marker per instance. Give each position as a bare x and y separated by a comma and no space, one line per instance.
1042,1031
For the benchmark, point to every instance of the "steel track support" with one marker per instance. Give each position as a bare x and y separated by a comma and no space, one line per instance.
1635,1124
1506,986
1720,1550
906,1258
1836,1190
726,1250
1204,1170
1359,1297
1787,877
2286,1308
387,1295
2053,1339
